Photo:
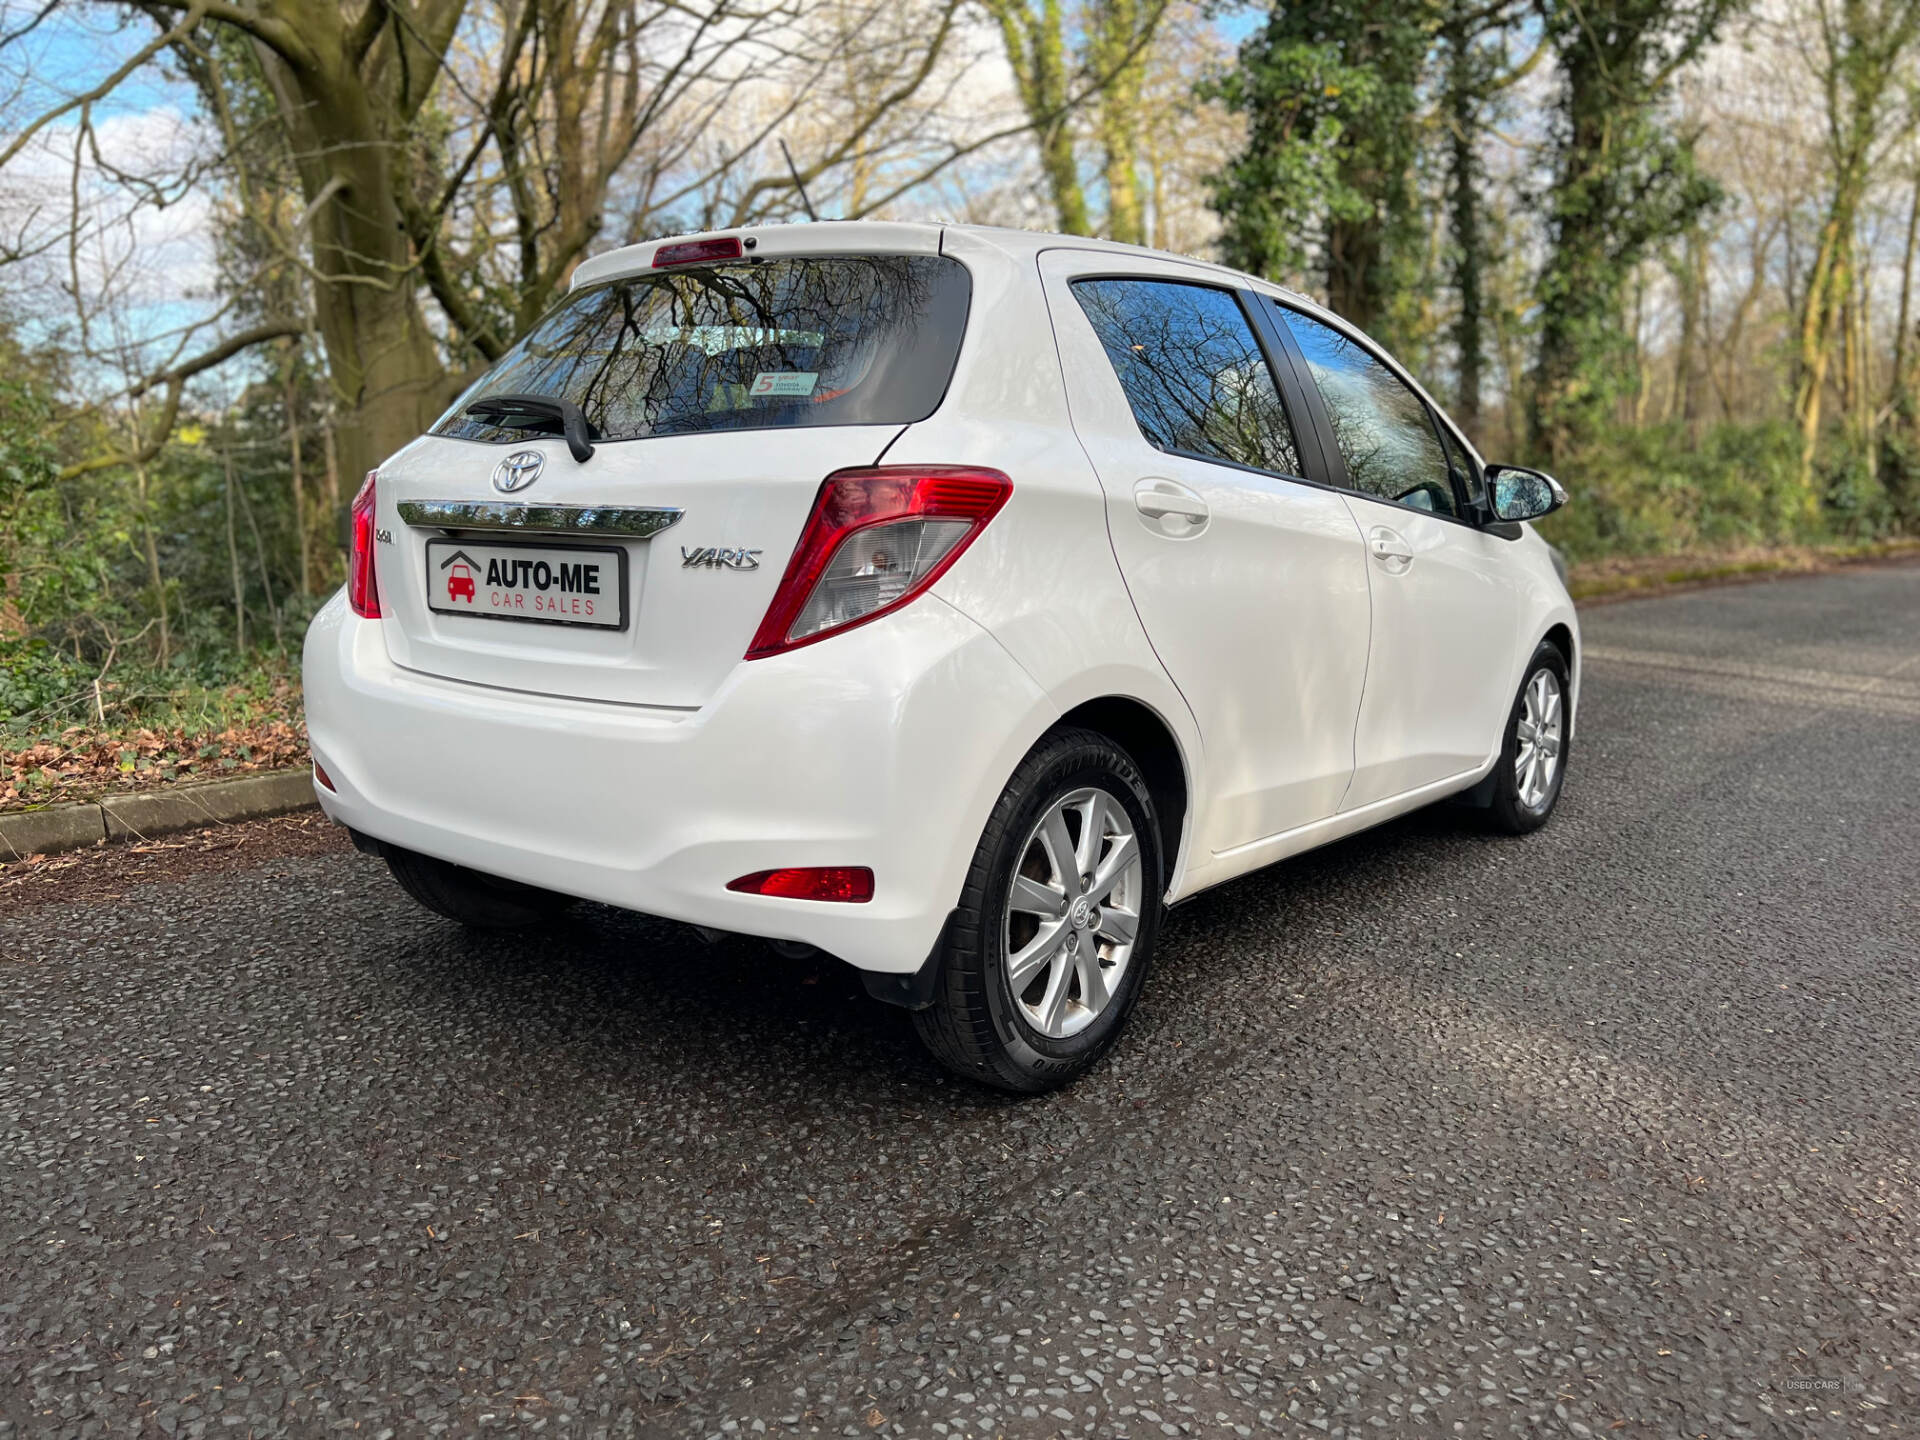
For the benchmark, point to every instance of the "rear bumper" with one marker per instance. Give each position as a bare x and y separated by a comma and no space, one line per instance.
883,747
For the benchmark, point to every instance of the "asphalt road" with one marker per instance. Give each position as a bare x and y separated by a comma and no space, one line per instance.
1608,1131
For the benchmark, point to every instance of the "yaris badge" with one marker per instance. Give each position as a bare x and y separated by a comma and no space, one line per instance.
714,557
518,471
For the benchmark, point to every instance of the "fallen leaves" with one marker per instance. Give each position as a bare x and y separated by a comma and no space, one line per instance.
83,764
108,871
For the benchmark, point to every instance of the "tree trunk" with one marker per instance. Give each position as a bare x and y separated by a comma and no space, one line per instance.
1864,423
330,454
1469,246
1623,185
1849,357
1125,220
1636,415
1580,299
1062,169
1157,189
1825,281
1513,411
298,479
1863,54
233,562
259,556
382,360
1897,380
1688,396
154,579
1036,49
1121,59
1353,258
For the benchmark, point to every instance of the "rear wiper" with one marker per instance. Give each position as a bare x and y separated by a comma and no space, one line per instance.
573,424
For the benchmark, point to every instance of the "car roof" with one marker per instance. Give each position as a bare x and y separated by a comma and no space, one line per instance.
931,237
925,237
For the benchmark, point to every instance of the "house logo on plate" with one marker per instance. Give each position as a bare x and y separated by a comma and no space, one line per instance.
460,581
518,470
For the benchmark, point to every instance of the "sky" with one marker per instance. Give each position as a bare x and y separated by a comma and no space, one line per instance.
161,257
162,260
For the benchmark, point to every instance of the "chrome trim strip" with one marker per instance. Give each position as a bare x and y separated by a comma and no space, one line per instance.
626,522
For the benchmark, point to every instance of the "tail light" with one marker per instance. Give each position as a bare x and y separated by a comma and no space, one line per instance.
876,538
848,884
363,586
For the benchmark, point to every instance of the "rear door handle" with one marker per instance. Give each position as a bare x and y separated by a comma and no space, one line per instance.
1177,509
1390,548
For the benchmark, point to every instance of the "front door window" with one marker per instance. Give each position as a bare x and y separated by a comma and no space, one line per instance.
1386,437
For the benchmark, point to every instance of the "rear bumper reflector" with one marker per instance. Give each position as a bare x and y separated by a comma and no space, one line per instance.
846,884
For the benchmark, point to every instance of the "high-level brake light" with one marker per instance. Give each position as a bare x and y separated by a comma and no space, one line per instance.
696,252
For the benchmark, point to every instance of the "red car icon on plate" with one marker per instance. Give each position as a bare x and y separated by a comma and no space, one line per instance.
460,584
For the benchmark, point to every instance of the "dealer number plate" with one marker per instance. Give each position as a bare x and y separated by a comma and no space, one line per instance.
509,580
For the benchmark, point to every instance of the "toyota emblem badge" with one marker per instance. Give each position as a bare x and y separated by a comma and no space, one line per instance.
518,471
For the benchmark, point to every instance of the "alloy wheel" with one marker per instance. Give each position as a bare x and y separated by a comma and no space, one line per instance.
1539,730
1073,911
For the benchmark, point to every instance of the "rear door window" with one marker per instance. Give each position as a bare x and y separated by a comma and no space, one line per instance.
753,345
1193,372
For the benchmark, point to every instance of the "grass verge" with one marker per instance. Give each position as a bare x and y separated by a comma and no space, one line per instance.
1621,577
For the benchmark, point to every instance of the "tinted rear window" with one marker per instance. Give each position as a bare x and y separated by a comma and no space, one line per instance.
845,340
1192,370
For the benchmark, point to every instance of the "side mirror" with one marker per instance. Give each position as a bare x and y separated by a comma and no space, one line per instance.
1521,494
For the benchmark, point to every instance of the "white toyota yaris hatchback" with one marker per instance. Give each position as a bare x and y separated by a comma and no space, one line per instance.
950,599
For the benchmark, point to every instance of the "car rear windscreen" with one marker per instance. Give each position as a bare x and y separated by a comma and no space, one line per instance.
839,340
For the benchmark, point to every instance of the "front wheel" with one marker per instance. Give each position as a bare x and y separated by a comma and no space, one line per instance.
1050,944
1533,759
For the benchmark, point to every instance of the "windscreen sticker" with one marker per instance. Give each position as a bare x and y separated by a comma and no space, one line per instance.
785,382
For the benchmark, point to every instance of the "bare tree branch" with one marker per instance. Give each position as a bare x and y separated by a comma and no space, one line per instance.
173,382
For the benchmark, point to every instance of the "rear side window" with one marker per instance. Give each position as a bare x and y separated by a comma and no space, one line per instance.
1382,427
1193,372
841,340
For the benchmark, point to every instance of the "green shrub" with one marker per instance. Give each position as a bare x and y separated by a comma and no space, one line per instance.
35,676
1654,491
1900,479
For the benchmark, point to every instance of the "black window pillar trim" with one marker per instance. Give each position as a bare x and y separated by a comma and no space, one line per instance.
1477,512
1302,394
1465,508
1306,438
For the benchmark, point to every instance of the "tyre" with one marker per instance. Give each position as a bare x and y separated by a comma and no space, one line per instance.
483,902
1054,933
1533,757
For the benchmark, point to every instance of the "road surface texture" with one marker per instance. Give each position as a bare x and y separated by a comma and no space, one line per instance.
1607,1131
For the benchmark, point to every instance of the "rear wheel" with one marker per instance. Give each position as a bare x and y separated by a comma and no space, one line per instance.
1533,759
484,902
1051,942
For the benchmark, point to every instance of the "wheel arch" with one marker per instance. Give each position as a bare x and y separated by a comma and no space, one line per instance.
1561,634
1141,731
